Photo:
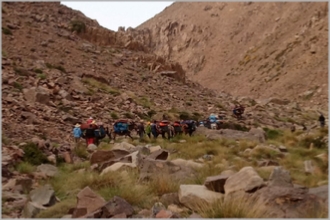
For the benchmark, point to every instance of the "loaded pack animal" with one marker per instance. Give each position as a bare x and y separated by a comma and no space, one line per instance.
177,128
165,127
189,127
238,112
93,133
121,127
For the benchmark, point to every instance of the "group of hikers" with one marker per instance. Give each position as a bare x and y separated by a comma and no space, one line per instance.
93,132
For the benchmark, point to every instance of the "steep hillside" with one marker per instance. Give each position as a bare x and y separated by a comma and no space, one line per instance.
258,50
60,67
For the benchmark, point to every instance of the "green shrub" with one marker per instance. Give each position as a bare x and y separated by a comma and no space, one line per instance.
151,113
318,142
184,116
21,72
6,31
272,133
42,76
33,155
196,116
25,167
18,86
78,26
38,71
129,115
50,66
114,115
60,68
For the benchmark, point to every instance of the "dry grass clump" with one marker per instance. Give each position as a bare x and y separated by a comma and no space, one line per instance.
58,210
235,207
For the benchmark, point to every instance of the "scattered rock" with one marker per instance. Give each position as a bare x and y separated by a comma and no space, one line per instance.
216,183
192,196
47,169
247,180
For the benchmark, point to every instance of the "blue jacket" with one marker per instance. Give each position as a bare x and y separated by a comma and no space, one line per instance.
77,132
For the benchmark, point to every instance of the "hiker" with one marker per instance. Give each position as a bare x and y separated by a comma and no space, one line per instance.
90,134
99,133
322,120
154,129
164,117
148,129
140,129
90,120
77,133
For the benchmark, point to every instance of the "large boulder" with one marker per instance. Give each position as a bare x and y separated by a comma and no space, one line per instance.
36,94
117,206
150,168
101,156
47,169
280,177
40,199
216,183
124,146
246,180
287,202
193,196
87,202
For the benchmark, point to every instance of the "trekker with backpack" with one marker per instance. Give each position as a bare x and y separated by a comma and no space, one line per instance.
148,129
322,120
90,120
77,133
140,129
90,134
99,133
154,129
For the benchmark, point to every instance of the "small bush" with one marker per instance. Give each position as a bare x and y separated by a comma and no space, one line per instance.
184,116
25,167
78,26
60,68
18,86
42,76
151,113
114,115
129,115
21,72
38,71
33,155
81,151
273,134
58,210
50,66
318,142
6,31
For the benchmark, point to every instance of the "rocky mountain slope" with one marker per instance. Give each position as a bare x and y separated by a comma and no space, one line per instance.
60,67
248,49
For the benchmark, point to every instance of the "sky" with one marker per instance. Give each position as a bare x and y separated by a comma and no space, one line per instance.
112,15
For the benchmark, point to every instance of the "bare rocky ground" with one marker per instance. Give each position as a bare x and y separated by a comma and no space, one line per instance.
60,67
253,49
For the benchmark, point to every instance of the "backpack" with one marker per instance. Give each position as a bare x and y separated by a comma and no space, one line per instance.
101,132
163,123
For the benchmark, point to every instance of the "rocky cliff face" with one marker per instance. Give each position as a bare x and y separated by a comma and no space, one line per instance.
247,49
